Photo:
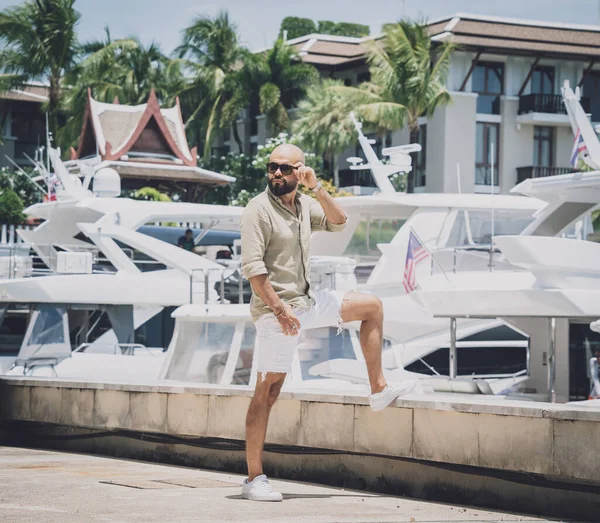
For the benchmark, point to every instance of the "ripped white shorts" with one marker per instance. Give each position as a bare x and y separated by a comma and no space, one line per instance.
275,349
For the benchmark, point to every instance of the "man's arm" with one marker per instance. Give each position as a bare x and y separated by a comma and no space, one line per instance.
283,312
326,215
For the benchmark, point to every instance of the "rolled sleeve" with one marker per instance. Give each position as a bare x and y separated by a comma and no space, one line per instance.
319,222
255,229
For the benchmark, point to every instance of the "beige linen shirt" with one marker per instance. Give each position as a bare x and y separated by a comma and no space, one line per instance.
275,242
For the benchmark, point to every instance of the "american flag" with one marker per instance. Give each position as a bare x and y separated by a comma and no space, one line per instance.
415,253
578,147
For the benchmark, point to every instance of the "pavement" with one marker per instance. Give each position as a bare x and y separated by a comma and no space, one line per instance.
46,486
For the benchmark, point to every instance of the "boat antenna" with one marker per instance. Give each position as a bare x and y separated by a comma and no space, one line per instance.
492,202
23,173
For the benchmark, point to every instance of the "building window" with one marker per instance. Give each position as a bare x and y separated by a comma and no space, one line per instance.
542,80
419,159
591,90
487,138
488,82
543,146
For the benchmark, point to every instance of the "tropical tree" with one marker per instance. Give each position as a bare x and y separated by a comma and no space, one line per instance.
125,69
38,41
323,124
211,55
408,81
282,81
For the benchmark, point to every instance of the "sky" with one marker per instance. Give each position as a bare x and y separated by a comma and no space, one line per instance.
258,20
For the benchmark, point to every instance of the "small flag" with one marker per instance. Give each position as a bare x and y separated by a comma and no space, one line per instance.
578,147
415,253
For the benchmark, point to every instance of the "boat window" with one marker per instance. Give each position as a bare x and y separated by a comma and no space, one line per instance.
209,359
48,327
241,374
318,345
473,228
370,232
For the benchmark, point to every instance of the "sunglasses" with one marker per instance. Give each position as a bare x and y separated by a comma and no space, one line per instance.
285,168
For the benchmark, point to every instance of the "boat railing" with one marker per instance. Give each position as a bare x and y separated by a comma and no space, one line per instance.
221,280
125,349
460,253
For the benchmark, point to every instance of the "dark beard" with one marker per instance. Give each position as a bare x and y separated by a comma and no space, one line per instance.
282,188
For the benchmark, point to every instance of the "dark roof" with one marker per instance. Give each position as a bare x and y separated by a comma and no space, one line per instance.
470,32
519,37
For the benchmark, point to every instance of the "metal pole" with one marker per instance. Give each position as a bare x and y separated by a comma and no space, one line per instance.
241,288
191,287
452,361
222,287
493,214
206,285
552,361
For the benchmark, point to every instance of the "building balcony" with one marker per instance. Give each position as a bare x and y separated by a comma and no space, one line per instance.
546,103
537,171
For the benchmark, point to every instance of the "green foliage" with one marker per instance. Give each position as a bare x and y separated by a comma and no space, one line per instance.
21,185
343,28
408,80
150,194
323,124
211,55
38,41
296,27
326,27
11,207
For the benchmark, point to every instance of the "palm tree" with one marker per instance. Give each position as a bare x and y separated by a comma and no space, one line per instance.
212,55
408,81
282,81
39,42
323,124
123,69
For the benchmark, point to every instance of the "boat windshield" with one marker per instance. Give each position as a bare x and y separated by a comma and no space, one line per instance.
474,228
369,232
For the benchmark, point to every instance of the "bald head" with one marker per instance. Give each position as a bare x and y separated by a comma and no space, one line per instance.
287,153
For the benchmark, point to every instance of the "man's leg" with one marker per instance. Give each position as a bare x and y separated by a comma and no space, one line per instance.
268,386
369,310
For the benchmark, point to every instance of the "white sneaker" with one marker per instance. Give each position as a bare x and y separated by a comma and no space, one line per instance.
259,489
382,399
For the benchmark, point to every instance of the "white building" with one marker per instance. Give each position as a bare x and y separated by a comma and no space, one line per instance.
505,79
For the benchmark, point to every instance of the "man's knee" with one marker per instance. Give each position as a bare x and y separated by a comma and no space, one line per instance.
358,306
268,387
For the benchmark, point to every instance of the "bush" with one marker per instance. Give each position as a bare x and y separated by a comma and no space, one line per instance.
296,27
11,208
327,27
21,185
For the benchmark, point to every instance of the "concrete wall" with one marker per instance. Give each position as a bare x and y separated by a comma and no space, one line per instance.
433,449
450,140
516,143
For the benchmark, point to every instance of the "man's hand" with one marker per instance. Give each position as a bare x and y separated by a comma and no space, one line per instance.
306,175
288,321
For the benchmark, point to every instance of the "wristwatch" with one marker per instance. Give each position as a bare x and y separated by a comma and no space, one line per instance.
316,187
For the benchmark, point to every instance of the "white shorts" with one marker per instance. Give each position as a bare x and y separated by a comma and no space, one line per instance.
275,349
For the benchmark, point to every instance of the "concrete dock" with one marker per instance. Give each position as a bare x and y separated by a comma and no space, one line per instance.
528,458
50,486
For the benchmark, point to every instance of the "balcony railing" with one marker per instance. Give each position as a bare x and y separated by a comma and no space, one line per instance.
537,171
547,103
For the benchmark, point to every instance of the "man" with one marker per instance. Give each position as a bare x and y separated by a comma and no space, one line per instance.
276,227
594,376
187,241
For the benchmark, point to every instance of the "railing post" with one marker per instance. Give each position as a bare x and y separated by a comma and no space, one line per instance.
241,288
453,366
222,286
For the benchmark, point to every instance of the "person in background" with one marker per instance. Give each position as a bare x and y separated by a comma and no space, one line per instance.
594,375
186,241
